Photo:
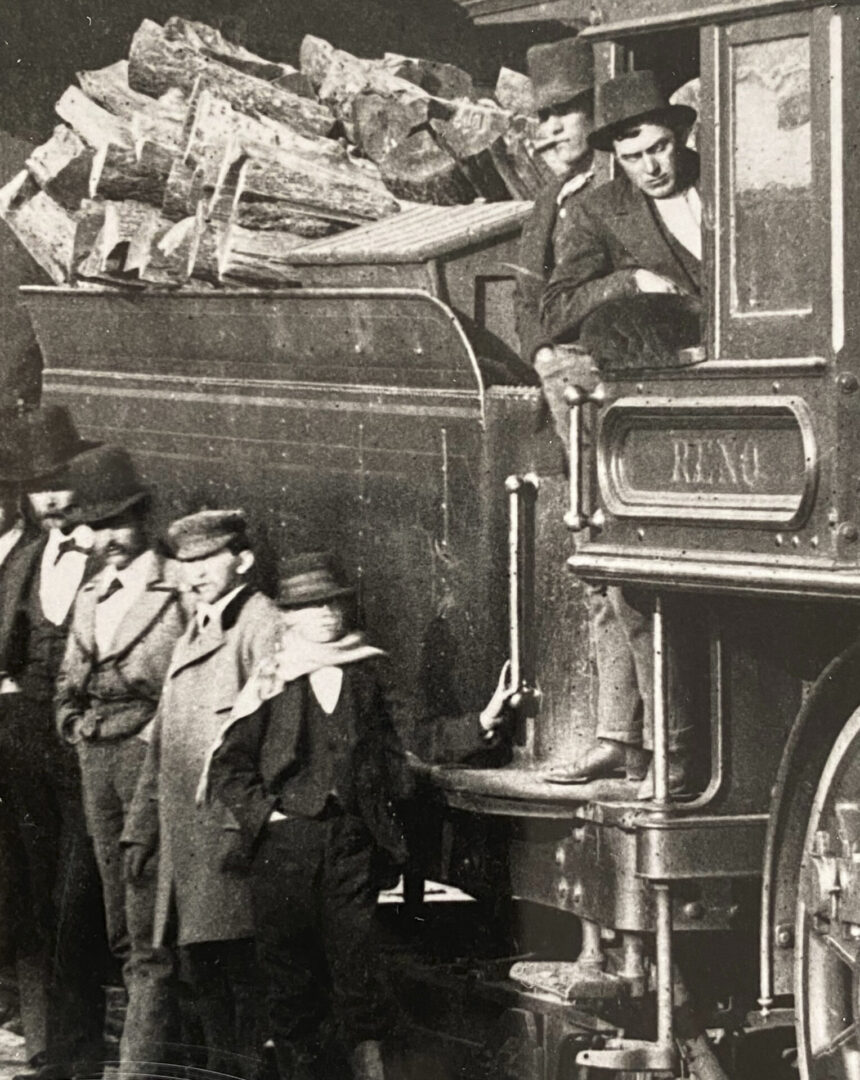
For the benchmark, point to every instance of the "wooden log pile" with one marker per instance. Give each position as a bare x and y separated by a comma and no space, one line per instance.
196,161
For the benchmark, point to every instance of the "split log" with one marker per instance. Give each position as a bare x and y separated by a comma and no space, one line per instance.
380,123
95,125
90,222
253,257
156,63
122,220
120,173
108,87
421,170
468,137
296,83
41,225
162,121
315,57
61,166
437,78
274,216
210,42
515,92
337,193
214,126
163,252
183,190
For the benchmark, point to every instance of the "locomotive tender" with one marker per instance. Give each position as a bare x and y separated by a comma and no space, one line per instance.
357,411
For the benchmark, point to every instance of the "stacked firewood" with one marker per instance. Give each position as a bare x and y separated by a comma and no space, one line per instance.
197,159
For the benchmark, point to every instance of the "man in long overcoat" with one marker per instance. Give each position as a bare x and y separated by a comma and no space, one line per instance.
201,876
125,624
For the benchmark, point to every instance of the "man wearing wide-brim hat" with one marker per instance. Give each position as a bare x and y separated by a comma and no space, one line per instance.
311,765
636,238
562,75
641,233
201,879
61,944
125,624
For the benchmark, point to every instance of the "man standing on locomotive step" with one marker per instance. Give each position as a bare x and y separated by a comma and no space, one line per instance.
125,624
202,877
61,946
562,75
639,234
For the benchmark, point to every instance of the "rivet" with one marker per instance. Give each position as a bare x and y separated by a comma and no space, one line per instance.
814,542
577,894
847,382
694,909
778,539
562,888
785,937
560,855
776,387
795,541
640,389
847,531
640,534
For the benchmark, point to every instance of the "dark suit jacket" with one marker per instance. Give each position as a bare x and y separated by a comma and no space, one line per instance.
256,760
116,694
537,259
610,233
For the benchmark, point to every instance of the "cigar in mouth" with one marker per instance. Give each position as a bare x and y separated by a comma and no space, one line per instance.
547,144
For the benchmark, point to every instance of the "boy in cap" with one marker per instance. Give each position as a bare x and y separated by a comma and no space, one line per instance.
125,624
311,766
61,945
200,882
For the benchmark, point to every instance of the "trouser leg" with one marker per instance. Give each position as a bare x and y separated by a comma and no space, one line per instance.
223,980
348,907
109,773
284,880
619,703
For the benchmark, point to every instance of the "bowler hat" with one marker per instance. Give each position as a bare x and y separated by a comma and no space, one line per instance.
630,98
47,440
105,483
205,533
560,71
311,578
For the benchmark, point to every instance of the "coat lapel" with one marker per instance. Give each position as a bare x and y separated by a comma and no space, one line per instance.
195,645
144,611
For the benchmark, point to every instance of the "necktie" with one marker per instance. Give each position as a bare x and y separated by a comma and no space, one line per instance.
112,588
65,546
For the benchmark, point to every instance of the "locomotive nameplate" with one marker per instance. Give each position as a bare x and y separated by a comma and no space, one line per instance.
733,461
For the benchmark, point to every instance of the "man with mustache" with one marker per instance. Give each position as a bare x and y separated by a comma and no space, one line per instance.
125,624
60,947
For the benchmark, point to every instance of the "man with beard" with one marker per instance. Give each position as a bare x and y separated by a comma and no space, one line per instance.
61,943
125,623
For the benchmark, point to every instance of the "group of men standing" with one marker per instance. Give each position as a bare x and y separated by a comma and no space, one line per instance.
127,771
615,267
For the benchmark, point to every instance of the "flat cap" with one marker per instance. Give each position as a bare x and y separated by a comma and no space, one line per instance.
205,533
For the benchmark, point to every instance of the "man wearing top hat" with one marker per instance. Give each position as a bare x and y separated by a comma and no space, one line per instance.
311,765
61,945
202,889
639,235
125,624
562,75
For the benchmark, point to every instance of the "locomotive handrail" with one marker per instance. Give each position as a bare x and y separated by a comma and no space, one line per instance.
578,518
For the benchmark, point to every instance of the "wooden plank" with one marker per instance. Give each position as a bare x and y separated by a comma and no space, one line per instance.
108,87
44,228
95,125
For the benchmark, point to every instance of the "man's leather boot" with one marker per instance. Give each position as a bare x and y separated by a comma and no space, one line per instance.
366,1061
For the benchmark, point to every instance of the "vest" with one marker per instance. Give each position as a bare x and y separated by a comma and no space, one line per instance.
45,644
324,748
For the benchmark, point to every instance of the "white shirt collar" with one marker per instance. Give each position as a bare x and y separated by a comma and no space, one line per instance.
206,613
326,683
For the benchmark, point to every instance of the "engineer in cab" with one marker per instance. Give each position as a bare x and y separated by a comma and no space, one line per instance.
626,286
